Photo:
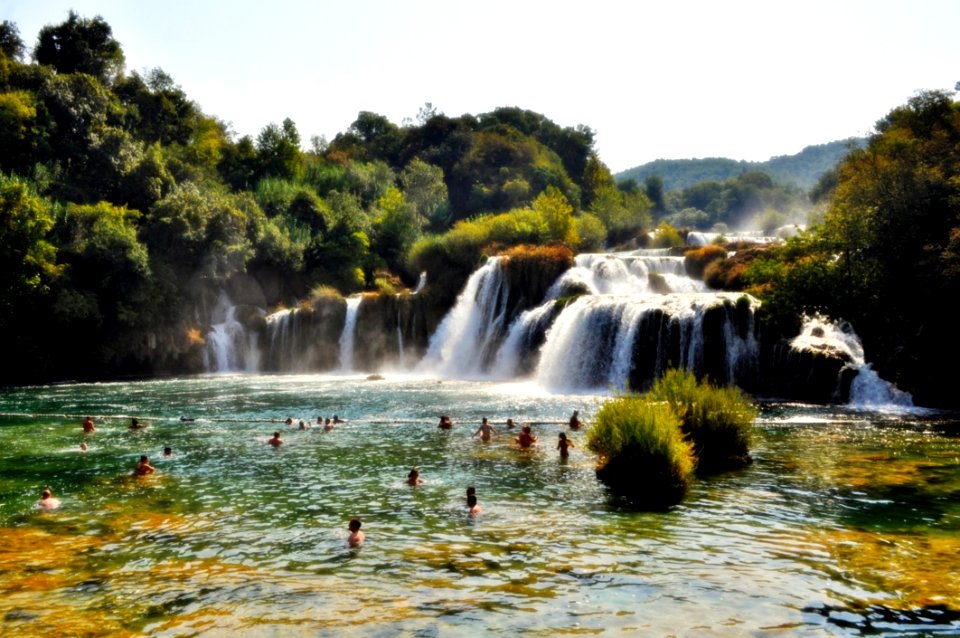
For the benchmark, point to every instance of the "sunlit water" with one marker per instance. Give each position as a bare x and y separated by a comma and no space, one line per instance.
847,523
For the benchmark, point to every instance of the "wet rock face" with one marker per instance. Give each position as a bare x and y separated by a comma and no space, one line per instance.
805,375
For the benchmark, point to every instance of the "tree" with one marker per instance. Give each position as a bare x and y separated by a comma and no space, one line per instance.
395,228
27,258
278,151
18,131
81,45
425,190
10,43
557,213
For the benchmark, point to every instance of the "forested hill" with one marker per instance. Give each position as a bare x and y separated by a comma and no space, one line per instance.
802,169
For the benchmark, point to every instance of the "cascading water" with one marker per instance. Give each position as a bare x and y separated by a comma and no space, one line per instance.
637,314
348,336
282,338
839,338
230,346
463,340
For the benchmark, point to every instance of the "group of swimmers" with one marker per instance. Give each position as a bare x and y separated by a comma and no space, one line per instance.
526,437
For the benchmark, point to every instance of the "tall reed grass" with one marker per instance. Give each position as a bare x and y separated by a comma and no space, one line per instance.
716,420
643,455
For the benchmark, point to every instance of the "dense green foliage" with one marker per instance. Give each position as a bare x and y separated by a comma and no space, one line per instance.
126,208
885,254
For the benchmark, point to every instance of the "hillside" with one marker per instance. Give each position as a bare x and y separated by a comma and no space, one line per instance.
802,169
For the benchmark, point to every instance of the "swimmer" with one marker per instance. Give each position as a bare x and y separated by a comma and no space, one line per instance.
445,423
303,425
526,438
413,478
471,491
135,425
473,507
88,426
484,431
289,421
575,420
167,452
510,424
143,467
356,536
327,425
83,446
276,441
337,419
48,501
563,444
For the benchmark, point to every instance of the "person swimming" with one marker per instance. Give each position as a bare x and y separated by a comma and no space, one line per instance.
563,444
47,500
413,478
445,423
143,467
88,426
575,420
526,438
473,508
485,430
276,441
356,537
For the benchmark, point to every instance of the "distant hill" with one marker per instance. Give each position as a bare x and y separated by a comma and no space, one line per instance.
802,169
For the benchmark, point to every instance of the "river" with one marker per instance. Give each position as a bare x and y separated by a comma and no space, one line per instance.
847,522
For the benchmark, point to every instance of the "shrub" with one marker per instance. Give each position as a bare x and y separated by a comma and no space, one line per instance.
696,260
643,456
666,236
716,420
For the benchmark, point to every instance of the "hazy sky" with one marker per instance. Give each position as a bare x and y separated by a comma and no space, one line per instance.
669,79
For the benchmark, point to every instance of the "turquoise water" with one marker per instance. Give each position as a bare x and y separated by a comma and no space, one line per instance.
847,523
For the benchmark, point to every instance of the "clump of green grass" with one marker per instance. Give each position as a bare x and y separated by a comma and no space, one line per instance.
716,420
643,455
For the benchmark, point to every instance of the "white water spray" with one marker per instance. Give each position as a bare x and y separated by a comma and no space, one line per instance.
839,339
348,336
230,347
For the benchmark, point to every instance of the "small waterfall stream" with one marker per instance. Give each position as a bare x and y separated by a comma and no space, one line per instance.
462,341
348,336
230,346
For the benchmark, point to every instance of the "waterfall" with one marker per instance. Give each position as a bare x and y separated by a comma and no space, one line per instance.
819,334
420,283
282,337
524,336
626,274
348,336
594,341
611,321
230,346
401,357
464,339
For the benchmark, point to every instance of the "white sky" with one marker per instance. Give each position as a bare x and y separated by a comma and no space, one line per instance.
669,79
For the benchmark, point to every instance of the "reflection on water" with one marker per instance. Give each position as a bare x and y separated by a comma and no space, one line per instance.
847,523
